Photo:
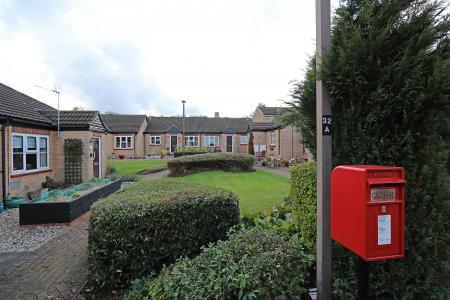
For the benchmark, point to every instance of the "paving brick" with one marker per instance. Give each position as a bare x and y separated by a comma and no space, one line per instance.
57,270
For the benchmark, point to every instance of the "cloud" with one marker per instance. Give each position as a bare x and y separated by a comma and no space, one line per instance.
132,56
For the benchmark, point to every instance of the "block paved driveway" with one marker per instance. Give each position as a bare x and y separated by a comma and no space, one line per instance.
57,270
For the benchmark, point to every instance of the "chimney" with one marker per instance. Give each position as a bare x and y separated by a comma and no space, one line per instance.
216,114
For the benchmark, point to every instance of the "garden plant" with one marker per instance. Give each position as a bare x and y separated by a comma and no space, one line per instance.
138,230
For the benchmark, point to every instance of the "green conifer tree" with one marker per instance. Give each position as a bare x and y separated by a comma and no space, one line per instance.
388,73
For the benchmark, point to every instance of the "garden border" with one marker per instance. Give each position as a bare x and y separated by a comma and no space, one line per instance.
63,212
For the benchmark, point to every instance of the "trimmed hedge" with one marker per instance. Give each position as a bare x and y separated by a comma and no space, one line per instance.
257,264
136,231
210,161
303,201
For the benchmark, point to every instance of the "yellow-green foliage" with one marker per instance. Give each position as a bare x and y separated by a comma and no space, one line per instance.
303,198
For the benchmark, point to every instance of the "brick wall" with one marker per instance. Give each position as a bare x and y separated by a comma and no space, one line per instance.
258,116
156,149
139,141
20,185
165,142
291,145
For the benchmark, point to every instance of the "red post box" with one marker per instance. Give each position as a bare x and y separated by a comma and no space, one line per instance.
367,210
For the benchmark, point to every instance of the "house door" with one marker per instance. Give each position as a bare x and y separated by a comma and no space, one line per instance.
96,152
173,143
229,143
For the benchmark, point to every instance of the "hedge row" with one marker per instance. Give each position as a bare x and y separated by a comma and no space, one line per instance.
257,264
210,161
136,231
303,201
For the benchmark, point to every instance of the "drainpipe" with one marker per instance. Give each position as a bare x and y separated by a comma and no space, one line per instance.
4,163
279,142
292,141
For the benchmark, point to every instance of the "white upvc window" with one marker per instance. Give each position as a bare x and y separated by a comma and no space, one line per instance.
244,140
155,140
211,141
272,138
29,153
124,142
191,141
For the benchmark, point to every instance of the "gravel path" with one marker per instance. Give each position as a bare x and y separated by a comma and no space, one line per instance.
16,238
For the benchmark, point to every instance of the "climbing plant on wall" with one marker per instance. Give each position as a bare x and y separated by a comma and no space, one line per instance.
73,151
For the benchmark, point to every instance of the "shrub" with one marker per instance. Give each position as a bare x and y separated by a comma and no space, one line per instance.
278,219
192,150
303,200
257,264
222,161
388,74
136,231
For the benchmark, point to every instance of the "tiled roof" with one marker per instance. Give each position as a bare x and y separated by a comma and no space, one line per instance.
17,105
73,119
265,126
273,111
123,123
197,125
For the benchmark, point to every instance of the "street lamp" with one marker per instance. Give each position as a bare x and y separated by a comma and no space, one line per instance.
184,126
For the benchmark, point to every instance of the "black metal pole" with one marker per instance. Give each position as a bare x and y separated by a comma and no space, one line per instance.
363,280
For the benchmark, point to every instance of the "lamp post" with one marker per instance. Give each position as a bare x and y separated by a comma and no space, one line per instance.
184,126
324,155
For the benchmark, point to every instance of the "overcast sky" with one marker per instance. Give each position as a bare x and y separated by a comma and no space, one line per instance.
146,56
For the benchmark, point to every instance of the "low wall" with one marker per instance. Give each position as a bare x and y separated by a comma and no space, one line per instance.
63,212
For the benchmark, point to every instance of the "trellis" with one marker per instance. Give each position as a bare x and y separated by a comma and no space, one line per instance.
73,151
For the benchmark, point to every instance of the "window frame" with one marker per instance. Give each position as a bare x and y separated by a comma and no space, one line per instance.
126,142
273,136
155,142
208,141
246,139
25,151
194,137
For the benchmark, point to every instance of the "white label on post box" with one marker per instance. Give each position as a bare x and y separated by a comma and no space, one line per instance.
384,230
382,194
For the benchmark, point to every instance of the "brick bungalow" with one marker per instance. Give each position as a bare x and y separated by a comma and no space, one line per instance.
272,137
165,134
30,148
126,136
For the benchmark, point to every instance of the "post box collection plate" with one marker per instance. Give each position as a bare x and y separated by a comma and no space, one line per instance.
382,194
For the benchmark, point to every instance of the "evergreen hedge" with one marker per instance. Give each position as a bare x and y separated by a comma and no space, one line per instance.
388,74
303,201
211,161
257,264
136,231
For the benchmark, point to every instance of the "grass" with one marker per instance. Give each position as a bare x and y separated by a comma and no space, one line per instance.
257,191
131,167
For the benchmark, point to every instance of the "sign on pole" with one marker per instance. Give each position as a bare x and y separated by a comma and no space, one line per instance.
324,163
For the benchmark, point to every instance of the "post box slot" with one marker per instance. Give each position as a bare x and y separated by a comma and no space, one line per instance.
385,181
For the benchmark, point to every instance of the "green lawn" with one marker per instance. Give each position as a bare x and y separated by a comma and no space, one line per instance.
257,191
131,167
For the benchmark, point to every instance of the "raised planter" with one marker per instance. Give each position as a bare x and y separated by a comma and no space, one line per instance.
63,212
